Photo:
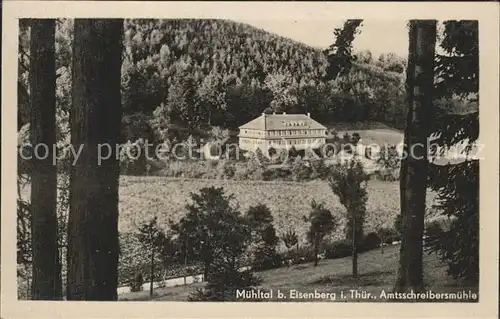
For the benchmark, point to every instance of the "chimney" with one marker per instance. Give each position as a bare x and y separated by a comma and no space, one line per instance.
308,114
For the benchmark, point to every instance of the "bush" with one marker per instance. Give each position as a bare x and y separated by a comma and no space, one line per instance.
318,169
276,174
370,242
271,151
339,249
300,171
266,259
137,283
398,225
386,174
301,255
226,170
224,285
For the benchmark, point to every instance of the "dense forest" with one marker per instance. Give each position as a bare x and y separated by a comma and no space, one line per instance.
192,73
167,79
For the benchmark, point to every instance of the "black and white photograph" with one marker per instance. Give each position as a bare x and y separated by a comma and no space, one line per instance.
249,159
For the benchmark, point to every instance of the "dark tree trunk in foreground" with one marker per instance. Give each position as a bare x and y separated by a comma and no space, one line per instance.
152,277
354,245
420,85
95,119
316,251
46,270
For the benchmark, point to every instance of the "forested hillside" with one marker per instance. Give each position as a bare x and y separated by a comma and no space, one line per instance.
192,73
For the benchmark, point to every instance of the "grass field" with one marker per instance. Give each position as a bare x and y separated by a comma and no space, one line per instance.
377,272
141,198
380,137
144,197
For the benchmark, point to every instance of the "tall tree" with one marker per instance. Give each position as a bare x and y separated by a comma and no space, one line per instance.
42,80
153,239
413,183
321,223
457,184
95,120
209,228
348,181
339,54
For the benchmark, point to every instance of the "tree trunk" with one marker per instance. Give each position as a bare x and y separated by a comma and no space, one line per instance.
206,271
420,84
95,120
185,261
152,275
44,175
316,249
354,249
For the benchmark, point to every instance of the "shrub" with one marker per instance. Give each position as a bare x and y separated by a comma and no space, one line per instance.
292,152
300,171
272,151
215,149
263,237
226,170
371,241
223,285
248,170
398,224
318,169
137,283
276,174
322,222
302,255
339,249
265,259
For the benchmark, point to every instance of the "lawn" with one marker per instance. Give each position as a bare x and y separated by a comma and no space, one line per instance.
144,197
377,272
380,137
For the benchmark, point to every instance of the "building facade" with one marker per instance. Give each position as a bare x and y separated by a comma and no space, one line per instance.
280,131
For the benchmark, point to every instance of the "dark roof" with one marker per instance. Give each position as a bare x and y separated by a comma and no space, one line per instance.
282,122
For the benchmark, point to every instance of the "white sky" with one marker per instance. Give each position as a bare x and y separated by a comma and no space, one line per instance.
378,36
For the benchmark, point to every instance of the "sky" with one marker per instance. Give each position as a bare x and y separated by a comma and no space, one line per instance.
378,36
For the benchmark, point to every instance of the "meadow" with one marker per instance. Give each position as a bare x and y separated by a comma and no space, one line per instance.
141,198
377,273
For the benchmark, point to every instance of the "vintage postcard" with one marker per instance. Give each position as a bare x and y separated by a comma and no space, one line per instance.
226,159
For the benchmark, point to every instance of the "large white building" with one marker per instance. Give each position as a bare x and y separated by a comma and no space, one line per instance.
282,131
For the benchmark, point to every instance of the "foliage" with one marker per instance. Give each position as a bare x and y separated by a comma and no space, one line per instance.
141,196
137,283
321,223
388,158
224,285
339,249
290,239
211,229
371,241
150,235
348,182
458,198
457,185
171,77
339,54
264,238
153,240
300,170
218,236
133,157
